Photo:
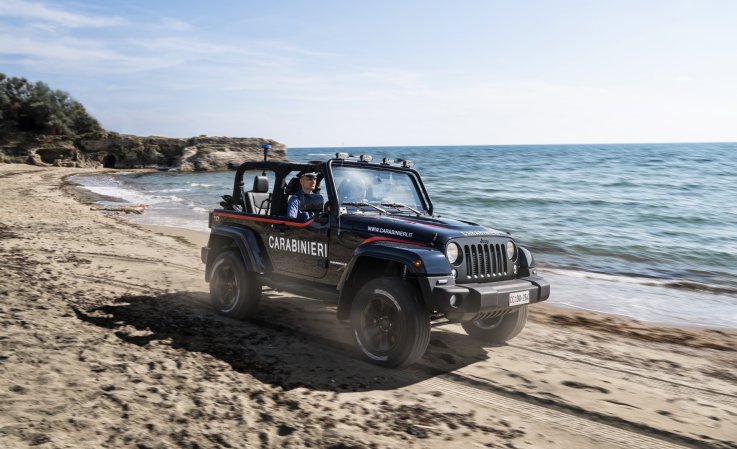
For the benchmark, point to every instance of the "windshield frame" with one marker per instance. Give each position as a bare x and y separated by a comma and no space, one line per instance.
412,173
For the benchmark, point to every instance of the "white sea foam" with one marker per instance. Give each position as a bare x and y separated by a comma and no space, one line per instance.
171,190
643,299
114,190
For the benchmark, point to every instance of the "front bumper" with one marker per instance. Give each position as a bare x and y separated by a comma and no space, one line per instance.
465,302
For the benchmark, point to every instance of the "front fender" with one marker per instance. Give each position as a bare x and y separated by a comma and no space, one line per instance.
526,262
432,262
421,261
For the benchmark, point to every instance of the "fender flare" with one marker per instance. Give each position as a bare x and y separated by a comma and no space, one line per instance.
254,257
432,263
526,261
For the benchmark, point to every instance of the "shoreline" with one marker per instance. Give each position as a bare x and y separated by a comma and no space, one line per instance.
639,298
108,338
198,238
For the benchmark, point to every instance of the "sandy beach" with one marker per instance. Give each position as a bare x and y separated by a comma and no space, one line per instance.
107,340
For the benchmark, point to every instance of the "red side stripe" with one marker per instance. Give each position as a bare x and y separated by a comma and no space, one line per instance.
266,220
390,239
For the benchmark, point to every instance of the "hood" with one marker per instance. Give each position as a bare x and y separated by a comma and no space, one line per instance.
412,227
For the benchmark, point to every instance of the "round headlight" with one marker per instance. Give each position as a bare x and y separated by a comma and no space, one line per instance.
511,250
452,252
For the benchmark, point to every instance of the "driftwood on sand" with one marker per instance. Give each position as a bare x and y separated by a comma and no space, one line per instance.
125,209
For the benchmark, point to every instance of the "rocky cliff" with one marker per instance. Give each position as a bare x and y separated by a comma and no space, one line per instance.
113,150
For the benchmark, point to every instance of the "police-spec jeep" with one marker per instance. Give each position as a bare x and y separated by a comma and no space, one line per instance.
371,244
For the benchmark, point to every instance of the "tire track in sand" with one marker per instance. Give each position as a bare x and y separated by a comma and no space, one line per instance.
616,431
663,384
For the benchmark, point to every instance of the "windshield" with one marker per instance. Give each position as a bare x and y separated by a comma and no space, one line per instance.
369,189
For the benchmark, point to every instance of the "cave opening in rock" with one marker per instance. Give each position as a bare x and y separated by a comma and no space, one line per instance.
109,161
48,156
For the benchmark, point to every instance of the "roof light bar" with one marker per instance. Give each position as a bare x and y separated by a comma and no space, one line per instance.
406,163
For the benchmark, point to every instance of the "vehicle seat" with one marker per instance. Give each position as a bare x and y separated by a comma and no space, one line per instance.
258,200
292,187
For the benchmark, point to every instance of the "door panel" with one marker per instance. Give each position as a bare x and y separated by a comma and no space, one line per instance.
299,250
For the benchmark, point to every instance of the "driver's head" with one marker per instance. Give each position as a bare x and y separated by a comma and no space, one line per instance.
308,181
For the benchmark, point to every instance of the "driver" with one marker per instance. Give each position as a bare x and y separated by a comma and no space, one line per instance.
307,183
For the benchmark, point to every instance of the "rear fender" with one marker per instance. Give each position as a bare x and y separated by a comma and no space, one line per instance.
223,237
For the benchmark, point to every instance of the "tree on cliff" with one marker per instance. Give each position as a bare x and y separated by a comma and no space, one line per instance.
35,107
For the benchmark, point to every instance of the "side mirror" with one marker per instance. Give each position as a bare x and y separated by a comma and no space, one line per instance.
311,203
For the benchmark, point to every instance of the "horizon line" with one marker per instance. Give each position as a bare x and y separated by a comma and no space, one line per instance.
518,144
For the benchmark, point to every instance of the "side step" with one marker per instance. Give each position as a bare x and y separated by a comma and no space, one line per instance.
301,288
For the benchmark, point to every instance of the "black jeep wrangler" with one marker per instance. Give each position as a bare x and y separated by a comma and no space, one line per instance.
372,245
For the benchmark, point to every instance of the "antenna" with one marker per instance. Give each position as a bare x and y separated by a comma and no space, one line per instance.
266,147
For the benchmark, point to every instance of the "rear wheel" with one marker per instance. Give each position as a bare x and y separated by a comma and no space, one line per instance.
234,292
498,329
389,325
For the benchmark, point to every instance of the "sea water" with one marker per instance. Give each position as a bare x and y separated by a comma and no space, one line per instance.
642,230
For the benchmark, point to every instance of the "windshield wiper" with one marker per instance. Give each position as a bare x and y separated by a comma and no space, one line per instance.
363,203
398,205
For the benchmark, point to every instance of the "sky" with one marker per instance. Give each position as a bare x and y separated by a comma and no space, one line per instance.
389,73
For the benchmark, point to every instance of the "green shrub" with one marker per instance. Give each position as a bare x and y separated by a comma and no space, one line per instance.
35,107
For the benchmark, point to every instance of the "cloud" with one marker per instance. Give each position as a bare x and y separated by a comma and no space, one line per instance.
37,11
68,54
40,43
172,24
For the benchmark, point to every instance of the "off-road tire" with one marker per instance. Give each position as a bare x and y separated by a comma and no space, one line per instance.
499,329
390,326
234,291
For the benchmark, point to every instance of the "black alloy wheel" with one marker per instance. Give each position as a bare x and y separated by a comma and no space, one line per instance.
390,327
234,292
379,328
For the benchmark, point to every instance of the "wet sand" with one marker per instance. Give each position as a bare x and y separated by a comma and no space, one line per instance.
107,340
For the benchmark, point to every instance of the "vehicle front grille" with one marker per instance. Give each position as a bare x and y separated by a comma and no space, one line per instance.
488,260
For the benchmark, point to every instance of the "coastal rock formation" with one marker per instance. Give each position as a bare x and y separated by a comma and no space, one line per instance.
113,150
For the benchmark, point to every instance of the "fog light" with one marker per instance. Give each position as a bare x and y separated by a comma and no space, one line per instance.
455,301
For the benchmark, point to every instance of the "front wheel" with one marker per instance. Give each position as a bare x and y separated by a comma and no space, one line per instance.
498,329
390,327
234,292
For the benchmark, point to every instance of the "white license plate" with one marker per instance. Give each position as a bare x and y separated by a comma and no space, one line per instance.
518,298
